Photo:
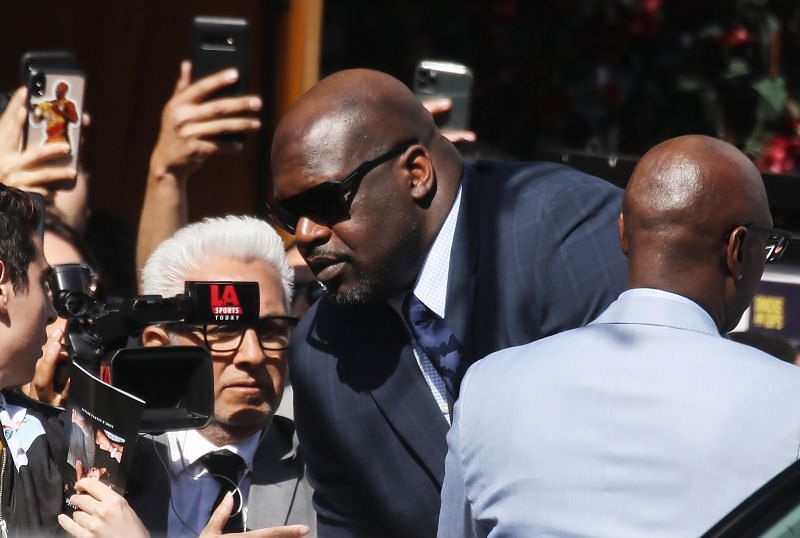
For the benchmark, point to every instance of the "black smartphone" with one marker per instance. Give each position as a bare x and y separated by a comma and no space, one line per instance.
435,79
55,108
219,43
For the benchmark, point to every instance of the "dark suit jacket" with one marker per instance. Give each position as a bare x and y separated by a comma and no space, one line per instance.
535,252
279,493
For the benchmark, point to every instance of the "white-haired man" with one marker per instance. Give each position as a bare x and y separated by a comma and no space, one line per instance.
178,485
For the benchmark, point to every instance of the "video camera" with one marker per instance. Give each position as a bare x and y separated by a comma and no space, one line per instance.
176,382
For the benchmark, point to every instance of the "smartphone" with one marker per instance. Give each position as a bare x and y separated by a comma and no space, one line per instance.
219,43
435,79
55,107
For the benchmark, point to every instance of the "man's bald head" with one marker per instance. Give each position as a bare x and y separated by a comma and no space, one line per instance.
349,116
685,197
403,176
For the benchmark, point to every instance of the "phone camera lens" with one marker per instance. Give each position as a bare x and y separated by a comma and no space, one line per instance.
426,79
39,84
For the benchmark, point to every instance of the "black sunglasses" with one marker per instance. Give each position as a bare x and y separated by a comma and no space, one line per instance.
777,240
331,199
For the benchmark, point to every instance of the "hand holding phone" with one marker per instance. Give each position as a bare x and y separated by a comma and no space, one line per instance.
207,112
191,124
38,166
55,102
435,81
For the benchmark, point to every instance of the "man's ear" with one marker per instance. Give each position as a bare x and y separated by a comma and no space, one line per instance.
6,287
623,239
420,174
734,252
153,335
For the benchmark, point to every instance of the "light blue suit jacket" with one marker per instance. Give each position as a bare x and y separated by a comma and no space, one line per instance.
644,423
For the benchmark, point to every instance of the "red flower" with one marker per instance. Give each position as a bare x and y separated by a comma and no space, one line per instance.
736,37
650,7
780,154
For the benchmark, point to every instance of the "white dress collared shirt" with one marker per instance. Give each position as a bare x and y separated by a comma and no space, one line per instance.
431,289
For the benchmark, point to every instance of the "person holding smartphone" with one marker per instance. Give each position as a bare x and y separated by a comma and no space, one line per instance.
191,127
35,167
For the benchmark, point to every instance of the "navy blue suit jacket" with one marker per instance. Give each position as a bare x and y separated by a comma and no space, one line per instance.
535,252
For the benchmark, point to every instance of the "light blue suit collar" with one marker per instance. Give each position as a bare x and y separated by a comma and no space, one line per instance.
645,306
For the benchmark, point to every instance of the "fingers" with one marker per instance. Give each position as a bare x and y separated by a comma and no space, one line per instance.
217,520
459,136
214,128
204,87
96,489
72,528
42,177
85,503
18,98
16,107
438,106
291,531
46,366
34,155
12,121
184,78
225,107
63,395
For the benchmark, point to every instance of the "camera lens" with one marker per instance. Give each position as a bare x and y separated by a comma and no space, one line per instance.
426,80
39,84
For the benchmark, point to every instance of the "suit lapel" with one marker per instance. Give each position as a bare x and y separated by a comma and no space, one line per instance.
463,266
405,398
406,402
275,478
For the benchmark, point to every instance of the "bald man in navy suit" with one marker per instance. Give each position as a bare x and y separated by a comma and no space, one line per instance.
413,244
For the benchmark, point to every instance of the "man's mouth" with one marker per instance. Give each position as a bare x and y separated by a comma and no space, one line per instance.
245,386
326,268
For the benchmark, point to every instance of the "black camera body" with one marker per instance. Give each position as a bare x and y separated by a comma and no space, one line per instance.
176,382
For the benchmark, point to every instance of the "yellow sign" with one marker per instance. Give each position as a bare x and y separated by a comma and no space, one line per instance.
769,312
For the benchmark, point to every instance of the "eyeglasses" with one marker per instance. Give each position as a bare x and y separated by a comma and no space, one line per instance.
330,199
777,240
273,333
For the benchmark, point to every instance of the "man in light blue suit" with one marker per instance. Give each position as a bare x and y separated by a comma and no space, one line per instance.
647,422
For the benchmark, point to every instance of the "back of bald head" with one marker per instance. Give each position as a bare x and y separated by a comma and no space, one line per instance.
355,110
684,195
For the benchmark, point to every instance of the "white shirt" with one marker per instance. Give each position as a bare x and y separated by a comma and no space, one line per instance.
431,289
20,430
192,490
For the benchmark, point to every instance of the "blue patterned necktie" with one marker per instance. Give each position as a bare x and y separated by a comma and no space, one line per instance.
438,342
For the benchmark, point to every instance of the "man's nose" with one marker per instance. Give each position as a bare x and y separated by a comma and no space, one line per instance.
250,351
310,230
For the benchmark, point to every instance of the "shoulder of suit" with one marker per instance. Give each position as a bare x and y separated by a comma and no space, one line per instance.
511,361
547,176
279,440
